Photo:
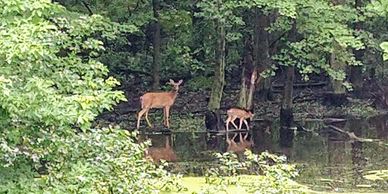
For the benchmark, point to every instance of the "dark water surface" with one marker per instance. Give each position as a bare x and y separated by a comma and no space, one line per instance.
329,160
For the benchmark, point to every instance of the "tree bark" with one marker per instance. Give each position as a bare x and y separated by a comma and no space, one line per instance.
219,70
337,65
156,43
255,61
197,45
261,55
339,91
286,113
247,88
356,71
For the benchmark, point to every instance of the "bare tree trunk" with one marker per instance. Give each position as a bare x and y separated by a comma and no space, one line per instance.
198,34
337,65
336,85
261,51
219,70
356,71
156,43
286,112
247,88
252,68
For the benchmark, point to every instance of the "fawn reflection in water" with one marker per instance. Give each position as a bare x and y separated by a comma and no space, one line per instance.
239,147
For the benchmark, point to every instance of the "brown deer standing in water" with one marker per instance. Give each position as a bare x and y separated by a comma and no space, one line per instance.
239,113
241,146
158,100
156,154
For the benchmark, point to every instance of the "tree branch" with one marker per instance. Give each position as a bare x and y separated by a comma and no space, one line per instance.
87,7
277,39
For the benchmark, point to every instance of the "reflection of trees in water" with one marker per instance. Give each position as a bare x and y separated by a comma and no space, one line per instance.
347,158
262,136
336,150
358,160
331,154
380,123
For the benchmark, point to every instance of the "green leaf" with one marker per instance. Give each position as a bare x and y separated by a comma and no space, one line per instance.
384,46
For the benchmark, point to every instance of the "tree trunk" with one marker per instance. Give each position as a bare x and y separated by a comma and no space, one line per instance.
219,70
250,77
247,88
356,71
156,43
337,65
338,97
286,113
197,45
261,51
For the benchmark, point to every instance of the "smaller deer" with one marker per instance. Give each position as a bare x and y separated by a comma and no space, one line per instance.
239,113
158,100
156,154
241,146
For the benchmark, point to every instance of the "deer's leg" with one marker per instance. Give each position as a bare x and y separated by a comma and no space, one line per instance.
227,123
246,123
234,124
241,121
139,115
167,116
164,116
235,135
146,116
246,135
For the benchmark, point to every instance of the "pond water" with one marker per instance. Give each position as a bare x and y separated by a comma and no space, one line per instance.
329,159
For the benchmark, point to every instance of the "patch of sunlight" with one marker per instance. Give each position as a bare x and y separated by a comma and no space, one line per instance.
241,184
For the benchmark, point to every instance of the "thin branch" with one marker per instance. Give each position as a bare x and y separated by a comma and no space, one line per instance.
87,7
134,9
277,39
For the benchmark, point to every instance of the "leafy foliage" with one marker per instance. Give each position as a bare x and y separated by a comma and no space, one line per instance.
52,87
273,174
101,161
380,8
384,46
375,175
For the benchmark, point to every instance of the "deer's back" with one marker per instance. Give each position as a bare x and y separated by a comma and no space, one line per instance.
238,113
157,99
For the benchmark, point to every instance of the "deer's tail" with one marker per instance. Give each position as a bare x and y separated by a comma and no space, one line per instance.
141,102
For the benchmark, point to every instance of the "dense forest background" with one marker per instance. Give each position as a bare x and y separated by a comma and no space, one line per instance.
63,63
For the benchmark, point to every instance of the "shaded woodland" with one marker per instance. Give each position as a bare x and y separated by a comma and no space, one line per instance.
77,75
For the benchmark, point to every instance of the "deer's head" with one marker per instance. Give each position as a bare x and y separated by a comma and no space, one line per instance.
175,84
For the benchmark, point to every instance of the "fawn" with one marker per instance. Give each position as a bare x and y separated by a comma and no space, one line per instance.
156,154
158,100
241,146
239,113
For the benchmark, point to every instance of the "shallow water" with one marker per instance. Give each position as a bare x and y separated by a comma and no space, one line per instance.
328,159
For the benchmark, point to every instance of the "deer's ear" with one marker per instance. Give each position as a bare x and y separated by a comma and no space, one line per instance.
180,82
172,81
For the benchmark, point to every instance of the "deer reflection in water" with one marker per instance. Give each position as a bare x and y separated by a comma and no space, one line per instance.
156,154
241,146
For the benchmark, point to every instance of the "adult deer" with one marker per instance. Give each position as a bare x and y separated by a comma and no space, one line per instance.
239,113
156,154
238,147
158,100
